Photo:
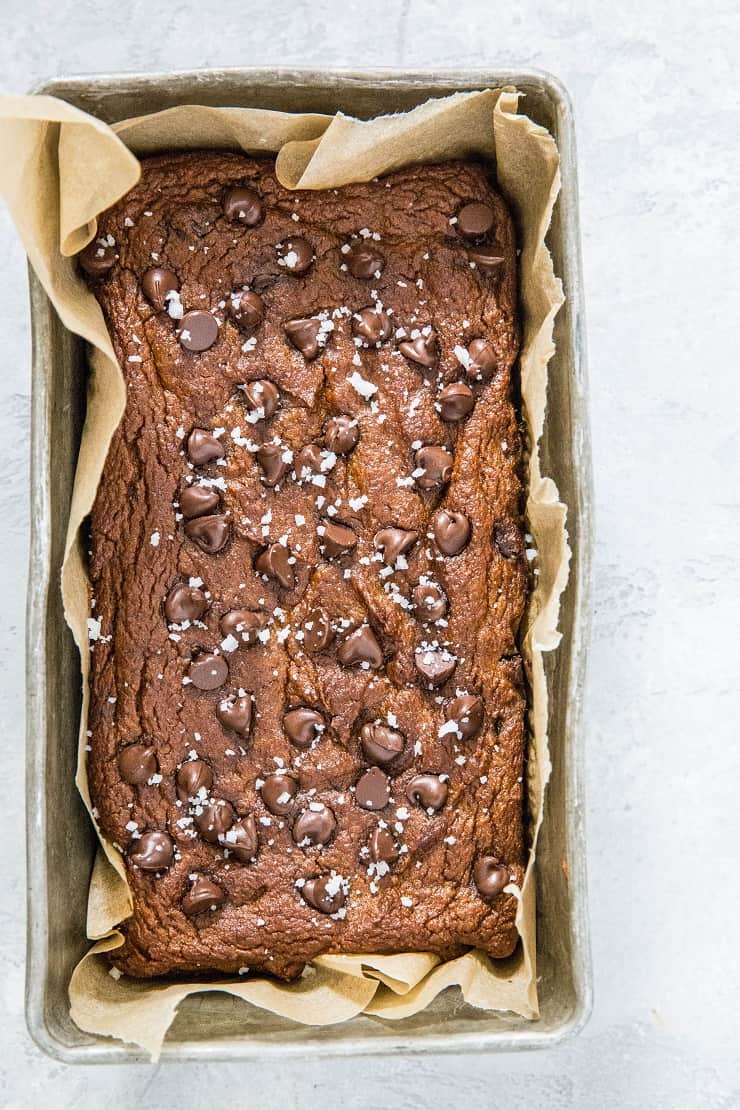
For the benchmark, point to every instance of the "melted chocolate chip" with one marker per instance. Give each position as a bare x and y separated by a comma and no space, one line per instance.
184,603
467,713
324,894
97,258
382,846
244,625
157,283
474,220
381,744
242,839
278,792
271,457
235,713
488,258
273,562
361,646
307,462
394,542
456,401
451,531
336,539
296,255
373,789
436,462
303,726
430,602
213,819
203,895
243,205
208,671
198,501
434,664
247,309
203,447
317,630
428,791
198,330
341,434
153,851
372,326
304,335
137,763
422,350
191,778
317,827
482,361
363,261
490,876
262,396
210,533
508,540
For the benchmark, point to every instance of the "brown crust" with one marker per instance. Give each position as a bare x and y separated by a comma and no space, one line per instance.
137,676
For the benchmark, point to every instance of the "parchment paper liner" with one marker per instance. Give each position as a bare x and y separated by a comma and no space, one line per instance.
59,168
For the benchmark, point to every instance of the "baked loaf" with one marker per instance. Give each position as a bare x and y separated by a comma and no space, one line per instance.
307,715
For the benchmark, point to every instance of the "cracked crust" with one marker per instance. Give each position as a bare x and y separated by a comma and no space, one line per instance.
137,676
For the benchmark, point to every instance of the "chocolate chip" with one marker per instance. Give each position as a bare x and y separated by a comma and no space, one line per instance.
490,876
184,603
203,447
487,258
271,457
262,397
394,542
373,789
212,819
508,540
361,646
203,895
157,283
428,791
278,792
336,539
235,713
244,625
456,401
198,501
97,258
137,763
363,261
315,826
274,563
247,309
191,778
304,335
436,665
198,330
430,601
382,846
436,463
421,350
341,434
381,744
210,533
324,894
372,326
307,462
317,630
475,220
208,671
466,711
451,531
242,839
303,726
153,851
296,255
482,361
243,205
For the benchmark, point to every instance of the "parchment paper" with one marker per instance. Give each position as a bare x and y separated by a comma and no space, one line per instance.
59,168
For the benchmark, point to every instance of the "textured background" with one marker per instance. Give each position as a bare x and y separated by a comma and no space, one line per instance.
657,100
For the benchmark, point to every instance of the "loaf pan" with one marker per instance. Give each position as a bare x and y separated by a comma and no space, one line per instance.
61,841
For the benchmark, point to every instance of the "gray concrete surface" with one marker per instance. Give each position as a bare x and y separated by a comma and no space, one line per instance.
657,97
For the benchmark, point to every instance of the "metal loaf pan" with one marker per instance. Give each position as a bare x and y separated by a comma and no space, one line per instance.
60,838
